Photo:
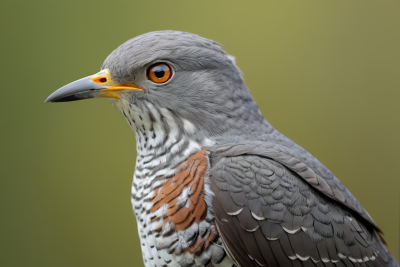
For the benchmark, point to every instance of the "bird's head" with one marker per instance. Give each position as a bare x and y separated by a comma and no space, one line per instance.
168,75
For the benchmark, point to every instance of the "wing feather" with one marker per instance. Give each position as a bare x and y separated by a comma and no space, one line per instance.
305,165
269,216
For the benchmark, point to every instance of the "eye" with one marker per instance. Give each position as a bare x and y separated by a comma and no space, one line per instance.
159,73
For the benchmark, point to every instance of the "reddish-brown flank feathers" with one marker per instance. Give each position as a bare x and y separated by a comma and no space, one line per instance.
184,211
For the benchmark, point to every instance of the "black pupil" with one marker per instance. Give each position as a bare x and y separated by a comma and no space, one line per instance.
159,72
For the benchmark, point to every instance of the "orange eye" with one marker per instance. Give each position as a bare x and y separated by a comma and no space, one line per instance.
159,73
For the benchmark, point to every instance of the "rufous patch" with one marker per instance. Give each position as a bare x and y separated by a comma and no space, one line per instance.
183,193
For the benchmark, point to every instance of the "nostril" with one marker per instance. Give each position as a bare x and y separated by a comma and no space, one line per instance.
103,80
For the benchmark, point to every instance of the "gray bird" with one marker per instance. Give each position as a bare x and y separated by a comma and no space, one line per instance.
215,184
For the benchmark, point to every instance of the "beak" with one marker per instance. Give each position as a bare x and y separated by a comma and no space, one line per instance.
98,85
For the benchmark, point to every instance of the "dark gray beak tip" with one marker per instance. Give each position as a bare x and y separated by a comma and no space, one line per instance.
49,99
80,89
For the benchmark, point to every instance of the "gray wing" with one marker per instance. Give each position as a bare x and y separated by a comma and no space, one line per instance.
302,163
268,216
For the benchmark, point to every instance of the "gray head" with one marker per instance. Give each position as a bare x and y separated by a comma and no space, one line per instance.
205,90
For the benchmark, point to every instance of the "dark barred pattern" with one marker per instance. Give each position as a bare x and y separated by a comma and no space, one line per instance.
163,145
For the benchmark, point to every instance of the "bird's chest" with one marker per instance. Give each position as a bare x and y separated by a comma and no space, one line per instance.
175,222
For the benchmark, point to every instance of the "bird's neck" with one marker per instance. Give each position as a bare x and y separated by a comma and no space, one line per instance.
162,140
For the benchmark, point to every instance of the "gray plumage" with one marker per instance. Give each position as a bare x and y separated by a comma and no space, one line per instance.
269,201
314,227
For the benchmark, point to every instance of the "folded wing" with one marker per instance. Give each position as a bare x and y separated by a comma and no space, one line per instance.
269,216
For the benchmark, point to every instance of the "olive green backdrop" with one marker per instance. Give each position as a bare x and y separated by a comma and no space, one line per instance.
325,73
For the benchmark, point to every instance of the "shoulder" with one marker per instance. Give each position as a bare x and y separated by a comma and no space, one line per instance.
300,162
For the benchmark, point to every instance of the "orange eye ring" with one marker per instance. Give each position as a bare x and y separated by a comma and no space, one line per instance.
159,73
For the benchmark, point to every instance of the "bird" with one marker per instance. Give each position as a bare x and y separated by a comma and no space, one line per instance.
215,184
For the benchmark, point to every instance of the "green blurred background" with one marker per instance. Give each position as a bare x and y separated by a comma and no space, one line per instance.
325,73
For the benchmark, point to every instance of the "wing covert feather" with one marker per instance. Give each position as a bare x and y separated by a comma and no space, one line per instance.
302,163
268,216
